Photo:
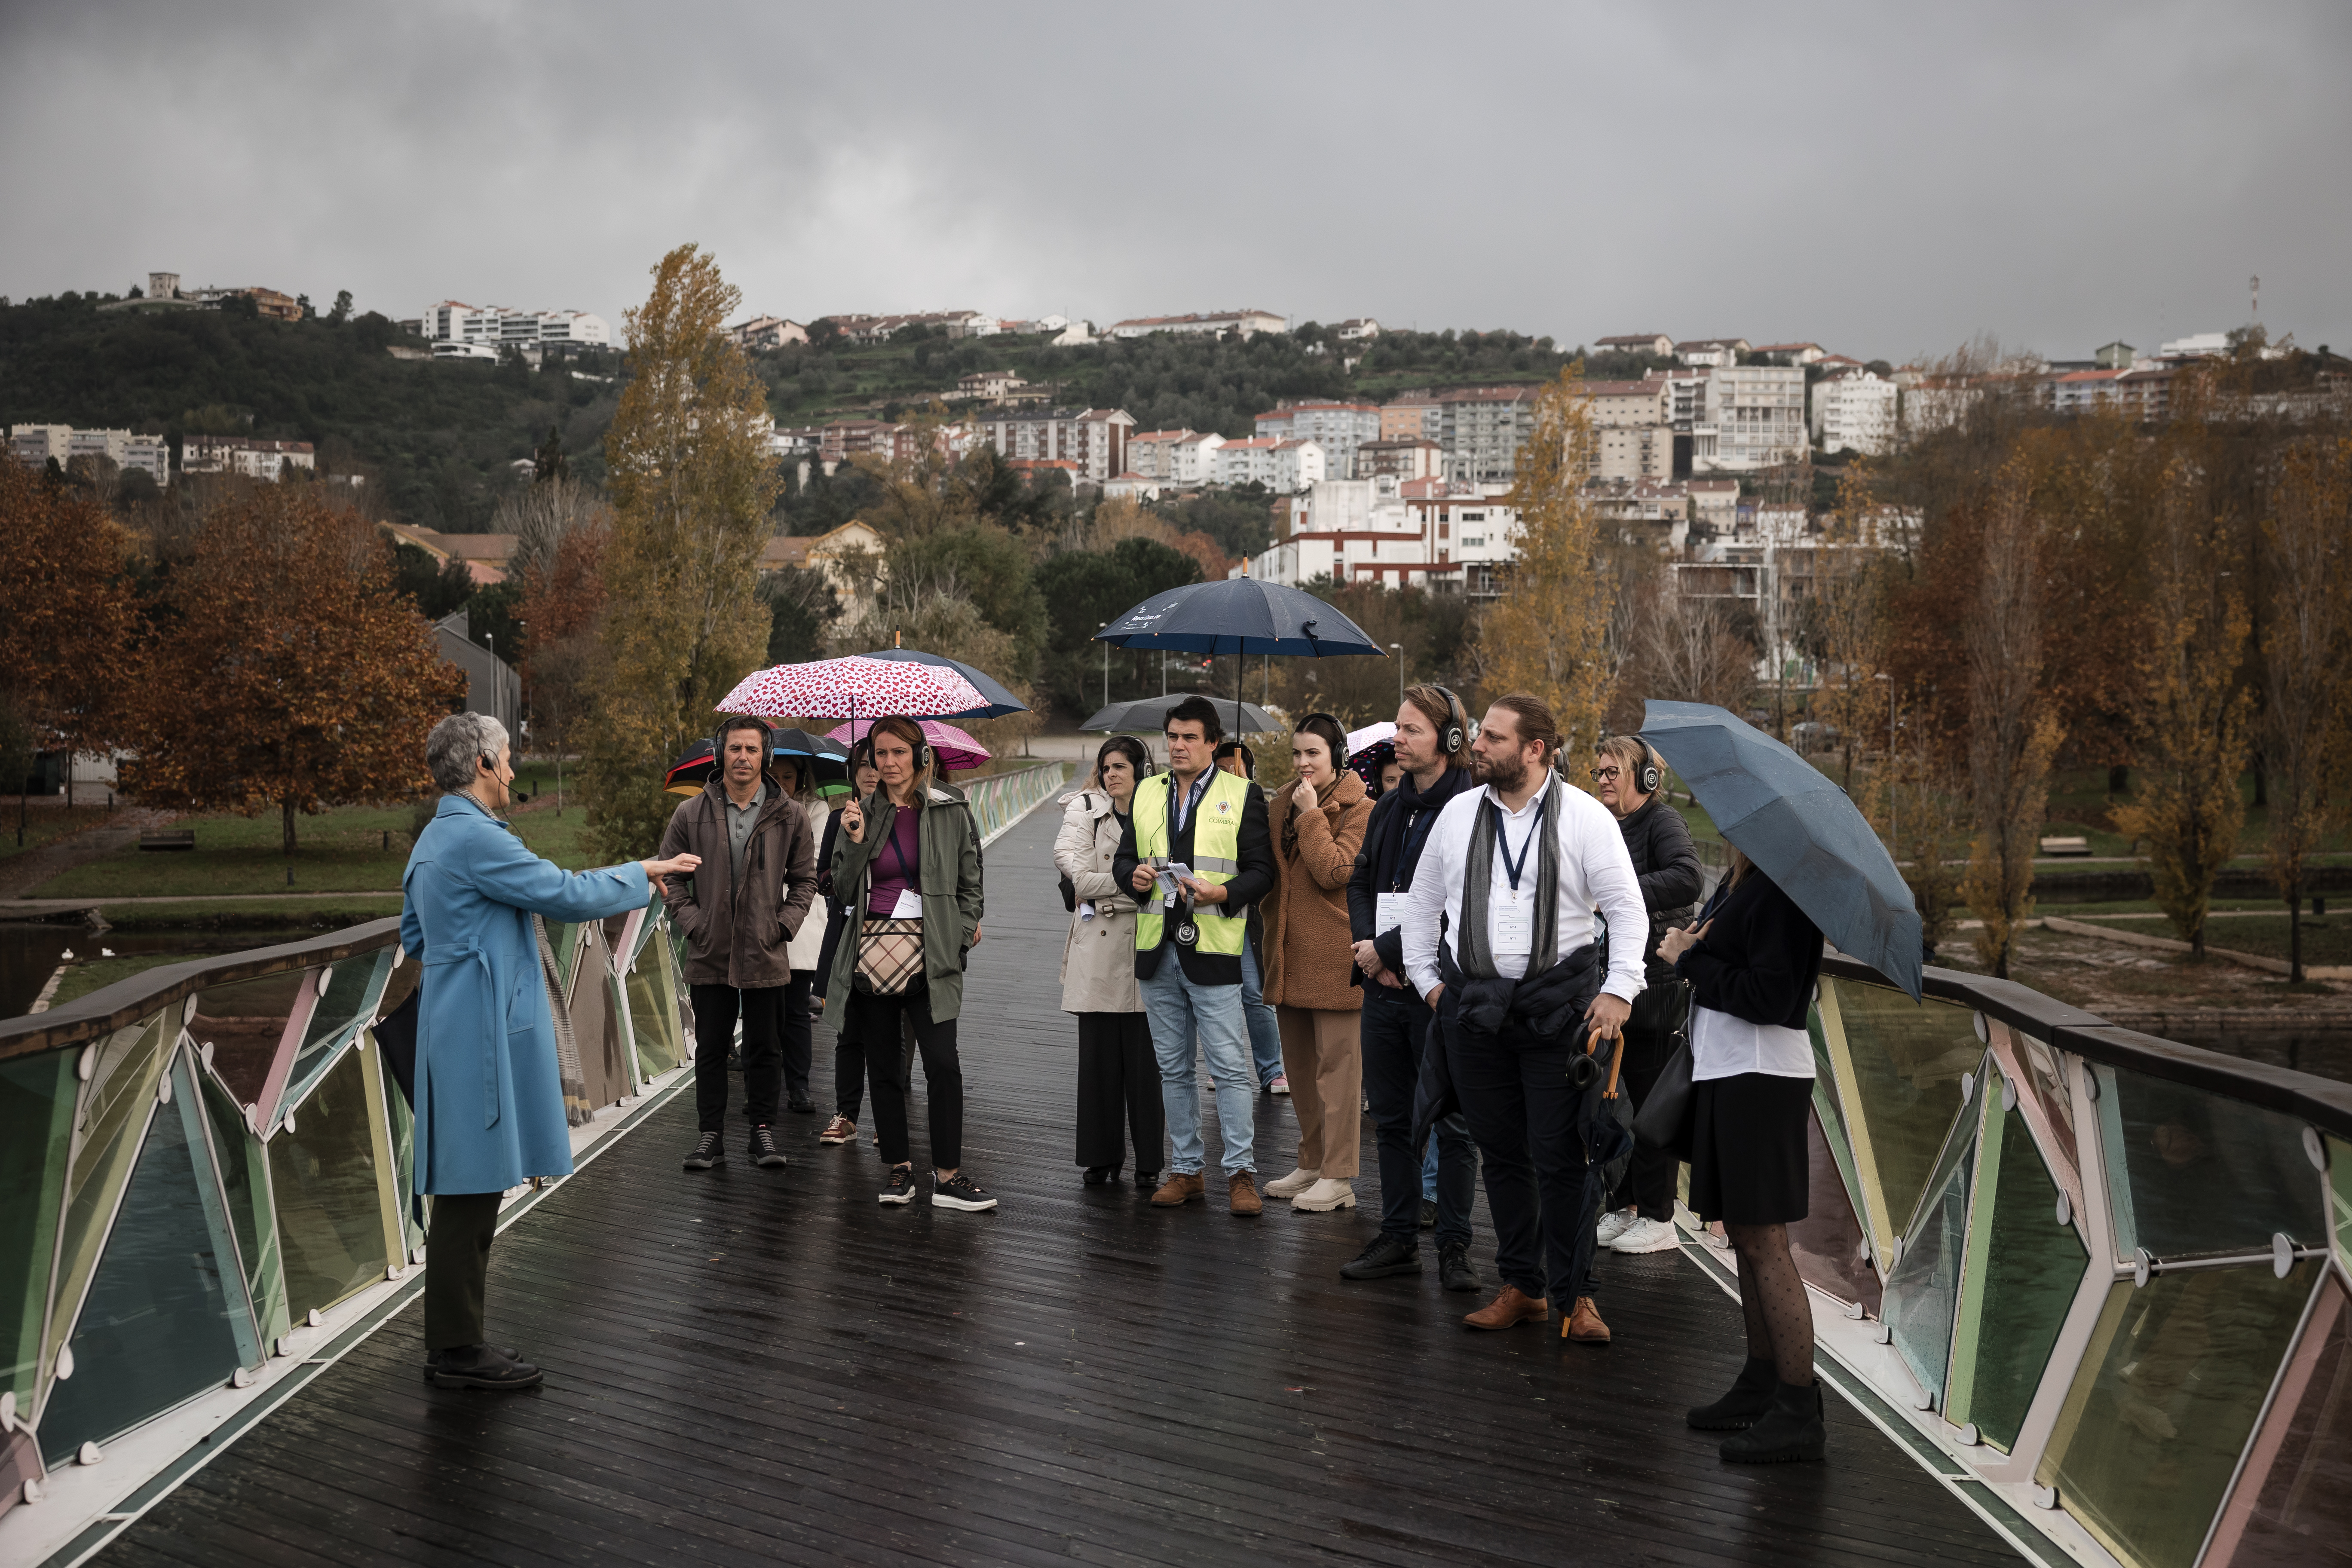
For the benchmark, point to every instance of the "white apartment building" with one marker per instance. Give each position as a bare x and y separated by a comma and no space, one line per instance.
1712,352
1632,452
1244,323
1482,429
1854,412
1656,343
1092,439
35,444
243,455
767,332
1338,428
1409,534
1356,329
1182,459
494,327
1756,418
1281,465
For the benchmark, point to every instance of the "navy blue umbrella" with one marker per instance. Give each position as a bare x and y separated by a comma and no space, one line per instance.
1801,830
1239,614
1000,701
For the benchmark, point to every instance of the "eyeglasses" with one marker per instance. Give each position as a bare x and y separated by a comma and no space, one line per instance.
1603,775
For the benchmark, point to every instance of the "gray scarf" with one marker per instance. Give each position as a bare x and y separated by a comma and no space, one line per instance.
1471,950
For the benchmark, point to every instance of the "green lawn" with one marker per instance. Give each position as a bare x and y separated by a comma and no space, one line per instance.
46,825
84,976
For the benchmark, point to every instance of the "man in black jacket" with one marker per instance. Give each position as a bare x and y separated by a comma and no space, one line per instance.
1627,775
1433,744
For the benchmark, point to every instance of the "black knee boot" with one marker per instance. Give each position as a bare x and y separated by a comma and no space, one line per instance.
1792,1429
1739,1409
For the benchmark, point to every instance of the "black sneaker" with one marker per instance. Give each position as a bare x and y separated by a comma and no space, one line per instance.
802,1105
1453,1270
901,1189
763,1150
482,1366
709,1150
1429,1214
1384,1257
433,1359
960,1191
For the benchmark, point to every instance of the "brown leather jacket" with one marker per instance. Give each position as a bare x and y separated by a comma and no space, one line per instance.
737,937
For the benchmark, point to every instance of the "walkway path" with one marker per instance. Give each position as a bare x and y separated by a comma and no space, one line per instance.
753,1366
21,873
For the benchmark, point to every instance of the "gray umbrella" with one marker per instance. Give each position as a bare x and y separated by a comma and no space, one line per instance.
1801,830
1149,713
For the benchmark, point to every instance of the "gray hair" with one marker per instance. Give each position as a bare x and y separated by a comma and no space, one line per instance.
455,741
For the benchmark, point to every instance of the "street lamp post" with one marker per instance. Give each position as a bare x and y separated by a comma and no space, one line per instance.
1881,674
1398,648
1105,626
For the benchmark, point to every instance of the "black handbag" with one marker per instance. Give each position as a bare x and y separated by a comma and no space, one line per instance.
1663,1120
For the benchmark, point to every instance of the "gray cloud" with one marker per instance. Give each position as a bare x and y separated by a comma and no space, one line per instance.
1886,181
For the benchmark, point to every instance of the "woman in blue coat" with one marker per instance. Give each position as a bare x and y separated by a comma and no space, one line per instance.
489,1104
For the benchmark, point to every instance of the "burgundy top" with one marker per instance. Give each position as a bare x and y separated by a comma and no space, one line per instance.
897,864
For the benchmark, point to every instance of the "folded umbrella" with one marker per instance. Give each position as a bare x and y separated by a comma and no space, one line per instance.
1000,701
955,749
1800,829
1150,715
852,688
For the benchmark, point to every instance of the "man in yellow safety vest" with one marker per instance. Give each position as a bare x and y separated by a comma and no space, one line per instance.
1198,852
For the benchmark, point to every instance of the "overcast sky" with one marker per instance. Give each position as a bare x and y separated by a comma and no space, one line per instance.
1886,180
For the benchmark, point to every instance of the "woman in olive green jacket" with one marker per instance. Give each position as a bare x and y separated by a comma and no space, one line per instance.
911,850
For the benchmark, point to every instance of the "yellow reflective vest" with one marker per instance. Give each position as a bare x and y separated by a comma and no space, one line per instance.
1216,826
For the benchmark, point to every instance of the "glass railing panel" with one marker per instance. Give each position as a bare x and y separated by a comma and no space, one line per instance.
1828,1242
648,1010
324,1178
351,986
1902,1090
243,1179
157,1327
36,1107
2292,1502
2191,1173
244,1021
2024,1269
596,1023
1924,1288
404,1154
2339,1200
2045,1081
2163,1402
107,1139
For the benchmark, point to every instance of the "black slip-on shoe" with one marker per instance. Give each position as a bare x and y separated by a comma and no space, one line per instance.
960,1192
1791,1431
433,1359
482,1366
709,1150
763,1150
1453,1270
1101,1175
1384,1257
1429,1214
802,1105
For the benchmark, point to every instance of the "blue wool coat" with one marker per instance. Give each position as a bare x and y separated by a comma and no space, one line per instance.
489,1103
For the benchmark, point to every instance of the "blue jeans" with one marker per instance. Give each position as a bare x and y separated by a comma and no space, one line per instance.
1178,1010
1264,1036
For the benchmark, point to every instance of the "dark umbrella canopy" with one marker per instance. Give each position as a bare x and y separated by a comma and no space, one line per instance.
1000,701
1240,614
827,761
1801,830
1150,713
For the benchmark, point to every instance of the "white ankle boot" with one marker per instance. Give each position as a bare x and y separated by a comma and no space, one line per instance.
1291,1185
1328,1192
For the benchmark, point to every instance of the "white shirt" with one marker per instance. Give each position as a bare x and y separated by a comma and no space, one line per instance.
1725,1047
1594,871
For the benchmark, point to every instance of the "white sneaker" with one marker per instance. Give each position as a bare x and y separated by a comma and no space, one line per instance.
1614,1223
1291,1185
1646,1235
1328,1192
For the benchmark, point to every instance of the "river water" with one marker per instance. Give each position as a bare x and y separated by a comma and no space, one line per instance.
30,954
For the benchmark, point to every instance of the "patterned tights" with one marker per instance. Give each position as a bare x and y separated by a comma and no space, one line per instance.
1771,1297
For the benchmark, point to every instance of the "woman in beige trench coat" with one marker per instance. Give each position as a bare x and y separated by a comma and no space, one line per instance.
1119,1077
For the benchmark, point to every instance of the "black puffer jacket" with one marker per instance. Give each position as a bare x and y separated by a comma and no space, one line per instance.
1666,863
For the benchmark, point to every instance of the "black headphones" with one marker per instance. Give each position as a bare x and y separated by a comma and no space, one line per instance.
737,721
923,744
1649,778
1456,733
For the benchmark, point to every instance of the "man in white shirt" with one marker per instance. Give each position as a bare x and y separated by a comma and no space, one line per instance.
1498,936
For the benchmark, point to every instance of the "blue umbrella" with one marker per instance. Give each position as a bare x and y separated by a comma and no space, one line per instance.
1801,830
1239,614
1000,701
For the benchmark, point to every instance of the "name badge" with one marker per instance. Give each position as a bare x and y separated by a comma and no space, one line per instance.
1511,925
1388,912
910,905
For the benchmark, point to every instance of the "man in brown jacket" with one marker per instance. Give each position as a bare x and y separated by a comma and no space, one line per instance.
757,880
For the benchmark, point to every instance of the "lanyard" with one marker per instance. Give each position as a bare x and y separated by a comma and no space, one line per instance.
1503,839
1183,809
907,877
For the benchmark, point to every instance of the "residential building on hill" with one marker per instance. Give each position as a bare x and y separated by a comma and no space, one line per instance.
1356,329
861,329
995,385
493,327
1337,427
1183,459
1637,343
1482,429
1412,416
1792,353
1246,324
832,554
1093,439
35,444
243,455
1854,411
1711,351
1412,458
1281,465
1423,534
485,556
767,332
1756,417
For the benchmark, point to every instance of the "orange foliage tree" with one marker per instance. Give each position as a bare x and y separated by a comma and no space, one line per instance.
289,673
67,599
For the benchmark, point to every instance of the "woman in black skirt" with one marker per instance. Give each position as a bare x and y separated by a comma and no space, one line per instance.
1752,958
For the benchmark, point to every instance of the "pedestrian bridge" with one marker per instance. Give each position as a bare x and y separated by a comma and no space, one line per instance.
2082,1293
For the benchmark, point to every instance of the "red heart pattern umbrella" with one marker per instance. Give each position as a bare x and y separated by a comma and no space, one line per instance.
850,688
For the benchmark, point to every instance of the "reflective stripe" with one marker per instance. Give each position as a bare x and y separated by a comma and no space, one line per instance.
1212,863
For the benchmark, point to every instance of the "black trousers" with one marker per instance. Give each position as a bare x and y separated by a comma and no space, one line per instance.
874,1021
800,1036
1119,1092
1649,1181
1395,1028
715,1011
1516,1096
457,1267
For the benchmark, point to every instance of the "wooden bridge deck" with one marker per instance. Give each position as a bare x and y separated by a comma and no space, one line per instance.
770,1366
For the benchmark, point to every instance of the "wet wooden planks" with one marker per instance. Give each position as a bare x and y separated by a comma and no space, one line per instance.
770,1366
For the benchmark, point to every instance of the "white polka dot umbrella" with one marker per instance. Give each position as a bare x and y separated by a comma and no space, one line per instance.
852,688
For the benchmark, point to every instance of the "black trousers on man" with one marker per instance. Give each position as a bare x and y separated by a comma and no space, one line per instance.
1515,1095
1648,1184
1394,1030
457,1267
799,1038
716,1008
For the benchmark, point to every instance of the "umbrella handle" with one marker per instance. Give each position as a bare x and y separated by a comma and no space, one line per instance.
1616,1061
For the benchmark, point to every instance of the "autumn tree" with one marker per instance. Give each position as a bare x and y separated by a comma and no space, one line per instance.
285,671
67,599
2307,641
692,488
1845,627
563,609
2013,730
2194,715
1547,634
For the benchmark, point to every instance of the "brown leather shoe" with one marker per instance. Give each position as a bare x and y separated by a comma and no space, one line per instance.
1242,1187
1510,1309
1177,1189
1584,1325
